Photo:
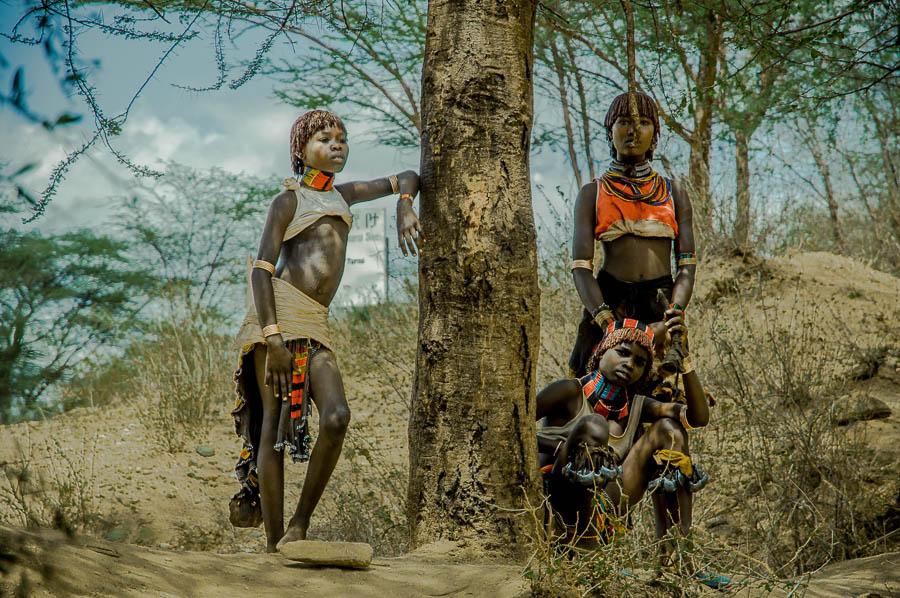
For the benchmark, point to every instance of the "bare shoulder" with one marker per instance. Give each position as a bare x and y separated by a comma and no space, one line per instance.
283,205
587,194
680,194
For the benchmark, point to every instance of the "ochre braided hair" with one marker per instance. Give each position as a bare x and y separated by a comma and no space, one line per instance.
646,106
625,334
305,127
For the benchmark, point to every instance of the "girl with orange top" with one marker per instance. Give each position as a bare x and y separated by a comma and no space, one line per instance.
641,218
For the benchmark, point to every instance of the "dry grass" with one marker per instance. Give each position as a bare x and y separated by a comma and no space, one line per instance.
48,486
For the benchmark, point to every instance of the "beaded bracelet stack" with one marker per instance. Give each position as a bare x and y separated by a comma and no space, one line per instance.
686,259
603,315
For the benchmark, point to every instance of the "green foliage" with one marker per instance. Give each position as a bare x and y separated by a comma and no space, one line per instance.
194,229
368,57
60,296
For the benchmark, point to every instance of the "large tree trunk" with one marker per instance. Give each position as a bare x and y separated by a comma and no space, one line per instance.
742,195
472,446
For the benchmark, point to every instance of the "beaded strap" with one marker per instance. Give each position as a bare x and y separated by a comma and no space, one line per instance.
264,265
395,184
686,259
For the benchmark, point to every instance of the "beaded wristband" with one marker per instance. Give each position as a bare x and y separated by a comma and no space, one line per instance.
395,184
270,330
406,196
603,315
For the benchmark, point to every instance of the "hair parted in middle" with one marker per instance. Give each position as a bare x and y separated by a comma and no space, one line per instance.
646,106
305,127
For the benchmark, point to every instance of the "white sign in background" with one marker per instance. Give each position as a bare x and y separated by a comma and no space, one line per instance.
364,281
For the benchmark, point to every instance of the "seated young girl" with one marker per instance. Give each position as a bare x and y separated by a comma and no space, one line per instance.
592,434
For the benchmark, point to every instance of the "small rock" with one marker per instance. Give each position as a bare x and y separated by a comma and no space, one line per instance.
192,462
879,316
116,533
355,555
205,451
866,408
165,546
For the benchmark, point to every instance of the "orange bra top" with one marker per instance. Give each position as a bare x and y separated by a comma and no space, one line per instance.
642,207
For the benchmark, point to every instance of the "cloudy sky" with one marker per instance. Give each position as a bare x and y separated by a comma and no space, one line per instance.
243,130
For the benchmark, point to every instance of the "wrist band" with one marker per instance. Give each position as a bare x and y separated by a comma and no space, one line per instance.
559,444
586,264
677,306
395,184
271,330
686,259
406,196
683,417
603,317
264,265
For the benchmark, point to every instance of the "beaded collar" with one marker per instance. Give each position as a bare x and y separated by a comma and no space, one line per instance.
608,399
640,184
317,179
632,171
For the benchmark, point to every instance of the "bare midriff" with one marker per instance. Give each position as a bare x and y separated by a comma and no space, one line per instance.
632,259
313,261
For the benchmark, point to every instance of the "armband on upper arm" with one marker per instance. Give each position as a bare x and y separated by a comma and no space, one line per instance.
264,265
686,259
586,264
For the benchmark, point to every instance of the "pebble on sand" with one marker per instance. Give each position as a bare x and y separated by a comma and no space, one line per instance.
205,451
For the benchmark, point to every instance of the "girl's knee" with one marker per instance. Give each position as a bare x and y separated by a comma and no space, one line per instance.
668,433
592,429
335,421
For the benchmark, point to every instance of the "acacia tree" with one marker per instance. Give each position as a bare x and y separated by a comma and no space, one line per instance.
60,297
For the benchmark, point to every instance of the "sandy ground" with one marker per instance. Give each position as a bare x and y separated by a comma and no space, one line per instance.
161,524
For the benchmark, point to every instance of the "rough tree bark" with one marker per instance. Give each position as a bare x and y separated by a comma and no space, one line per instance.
471,434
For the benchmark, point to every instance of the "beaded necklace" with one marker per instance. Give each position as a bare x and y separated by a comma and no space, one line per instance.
317,179
640,184
611,399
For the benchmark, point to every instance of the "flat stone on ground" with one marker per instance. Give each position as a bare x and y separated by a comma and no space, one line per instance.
357,555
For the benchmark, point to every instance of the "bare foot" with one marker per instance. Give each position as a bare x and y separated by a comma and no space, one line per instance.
293,533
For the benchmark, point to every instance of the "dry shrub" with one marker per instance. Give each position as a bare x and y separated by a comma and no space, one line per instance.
181,380
794,483
368,504
50,486
636,564
376,347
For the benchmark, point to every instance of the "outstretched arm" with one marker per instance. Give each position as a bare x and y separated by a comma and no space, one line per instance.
279,366
409,231
583,249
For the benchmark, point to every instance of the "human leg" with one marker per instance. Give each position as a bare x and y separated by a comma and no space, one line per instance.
640,466
269,460
582,468
327,392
